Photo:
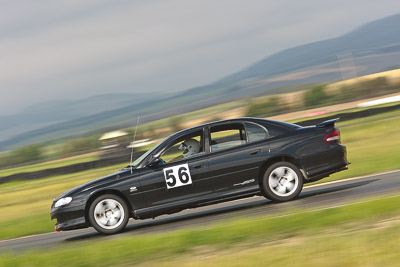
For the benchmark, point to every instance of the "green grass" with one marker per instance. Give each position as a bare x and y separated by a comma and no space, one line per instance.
323,237
48,165
350,248
29,225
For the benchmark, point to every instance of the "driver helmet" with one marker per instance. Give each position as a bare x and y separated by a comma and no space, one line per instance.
190,147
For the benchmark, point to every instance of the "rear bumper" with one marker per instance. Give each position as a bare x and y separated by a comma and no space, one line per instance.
326,174
327,163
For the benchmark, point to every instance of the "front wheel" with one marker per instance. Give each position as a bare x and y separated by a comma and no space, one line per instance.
108,214
282,181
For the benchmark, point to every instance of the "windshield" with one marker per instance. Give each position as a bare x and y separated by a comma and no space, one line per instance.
142,157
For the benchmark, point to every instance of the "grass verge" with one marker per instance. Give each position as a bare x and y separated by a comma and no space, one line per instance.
48,165
247,233
353,247
28,225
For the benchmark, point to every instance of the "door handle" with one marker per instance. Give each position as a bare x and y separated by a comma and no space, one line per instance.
198,166
254,153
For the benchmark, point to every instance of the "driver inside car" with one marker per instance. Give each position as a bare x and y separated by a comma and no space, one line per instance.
189,148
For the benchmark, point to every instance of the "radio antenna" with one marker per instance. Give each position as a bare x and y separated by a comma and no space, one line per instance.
134,138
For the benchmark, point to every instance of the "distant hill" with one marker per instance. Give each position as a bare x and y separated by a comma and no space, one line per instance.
371,48
381,36
374,40
52,112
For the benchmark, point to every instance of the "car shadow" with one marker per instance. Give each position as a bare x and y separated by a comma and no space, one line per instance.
148,225
334,189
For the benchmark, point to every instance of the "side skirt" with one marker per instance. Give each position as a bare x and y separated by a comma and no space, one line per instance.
215,198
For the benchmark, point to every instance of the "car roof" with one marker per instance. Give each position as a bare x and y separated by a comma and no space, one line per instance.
212,123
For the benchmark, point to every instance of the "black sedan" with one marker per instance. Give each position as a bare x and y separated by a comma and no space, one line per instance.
203,165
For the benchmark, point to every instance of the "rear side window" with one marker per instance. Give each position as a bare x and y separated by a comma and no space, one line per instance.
255,132
227,136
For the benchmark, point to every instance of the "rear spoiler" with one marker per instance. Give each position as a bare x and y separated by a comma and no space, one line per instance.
327,123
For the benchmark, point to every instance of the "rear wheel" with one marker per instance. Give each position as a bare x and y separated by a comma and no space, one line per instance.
282,181
108,214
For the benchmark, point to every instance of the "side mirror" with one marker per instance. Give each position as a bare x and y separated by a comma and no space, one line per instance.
154,162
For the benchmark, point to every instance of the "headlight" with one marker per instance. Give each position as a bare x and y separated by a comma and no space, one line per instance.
63,201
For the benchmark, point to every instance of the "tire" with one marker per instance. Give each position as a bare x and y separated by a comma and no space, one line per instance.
108,214
282,181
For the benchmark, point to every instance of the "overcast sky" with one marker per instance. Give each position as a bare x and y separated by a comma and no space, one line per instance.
74,49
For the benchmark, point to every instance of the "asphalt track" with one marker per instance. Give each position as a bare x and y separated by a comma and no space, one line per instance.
313,197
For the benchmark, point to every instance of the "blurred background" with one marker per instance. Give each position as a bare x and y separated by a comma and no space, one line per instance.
76,75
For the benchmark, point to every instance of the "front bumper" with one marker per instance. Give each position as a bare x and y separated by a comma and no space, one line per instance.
69,217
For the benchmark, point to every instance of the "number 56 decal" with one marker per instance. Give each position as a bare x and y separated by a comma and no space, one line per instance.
177,176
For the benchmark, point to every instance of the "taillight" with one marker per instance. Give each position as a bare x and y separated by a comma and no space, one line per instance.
332,137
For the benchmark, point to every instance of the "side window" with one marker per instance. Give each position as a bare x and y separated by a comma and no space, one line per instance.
185,147
255,133
226,136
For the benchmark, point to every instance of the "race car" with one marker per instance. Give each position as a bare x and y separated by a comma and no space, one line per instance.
203,165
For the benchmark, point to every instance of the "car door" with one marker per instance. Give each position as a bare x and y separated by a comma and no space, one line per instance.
235,159
177,181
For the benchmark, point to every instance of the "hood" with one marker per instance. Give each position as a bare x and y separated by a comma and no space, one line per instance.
90,184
